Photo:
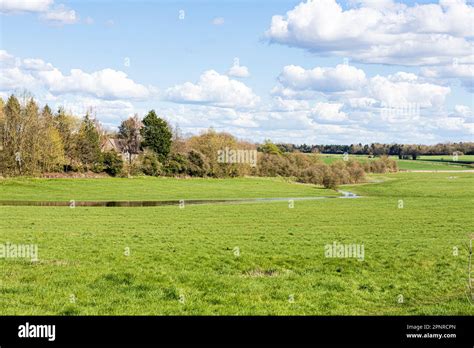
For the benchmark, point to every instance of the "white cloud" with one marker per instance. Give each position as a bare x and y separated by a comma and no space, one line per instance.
462,72
351,85
362,102
32,73
36,64
25,6
328,112
457,124
214,89
14,78
244,121
104,84
109,110
375,32
281,104
238,70
341,78
60,15
463,110
218,21
6,58
321,123
348,111
402,89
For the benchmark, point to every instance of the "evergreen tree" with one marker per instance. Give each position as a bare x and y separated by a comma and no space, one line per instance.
88,143
156,135
11,135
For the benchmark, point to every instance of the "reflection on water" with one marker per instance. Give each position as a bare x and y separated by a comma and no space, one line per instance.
163,203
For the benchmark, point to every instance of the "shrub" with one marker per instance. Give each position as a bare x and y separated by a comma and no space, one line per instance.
274,165
390,164
177,164
339,173
112,163
269,148
330,180
97,167
356,171
198,165
381,165
314,174
149,164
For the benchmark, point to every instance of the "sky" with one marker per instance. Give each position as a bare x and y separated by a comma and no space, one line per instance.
317,71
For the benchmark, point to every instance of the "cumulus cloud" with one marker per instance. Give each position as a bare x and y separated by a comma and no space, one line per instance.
105,84
456,124
402,89
60,15
351,85
238,70
25,6
328,112
6,58
461,72
379,32
362,102
14,78
36,64
111,112
33,73
341,78
281,104
215,89
463,111
46,9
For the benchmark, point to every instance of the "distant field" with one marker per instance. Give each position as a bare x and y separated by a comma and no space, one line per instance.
449,158
257,259
423,163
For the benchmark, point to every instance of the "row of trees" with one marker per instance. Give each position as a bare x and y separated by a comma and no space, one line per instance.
377,149
35,141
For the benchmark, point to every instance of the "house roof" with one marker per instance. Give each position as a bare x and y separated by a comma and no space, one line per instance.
112,144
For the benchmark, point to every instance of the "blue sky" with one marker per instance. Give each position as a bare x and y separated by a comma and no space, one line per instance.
338,72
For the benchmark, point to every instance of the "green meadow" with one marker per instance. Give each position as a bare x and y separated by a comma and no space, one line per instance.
264,258
150,188
422,163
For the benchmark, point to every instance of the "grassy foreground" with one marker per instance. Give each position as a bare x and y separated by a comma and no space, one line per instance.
186,261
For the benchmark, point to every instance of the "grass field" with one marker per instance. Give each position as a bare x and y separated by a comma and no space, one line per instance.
148,188
186,261
423,163
446,158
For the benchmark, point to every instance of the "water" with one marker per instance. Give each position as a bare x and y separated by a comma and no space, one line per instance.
164,203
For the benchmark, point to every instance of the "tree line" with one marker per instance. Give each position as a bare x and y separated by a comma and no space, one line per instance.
403,151
36,141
